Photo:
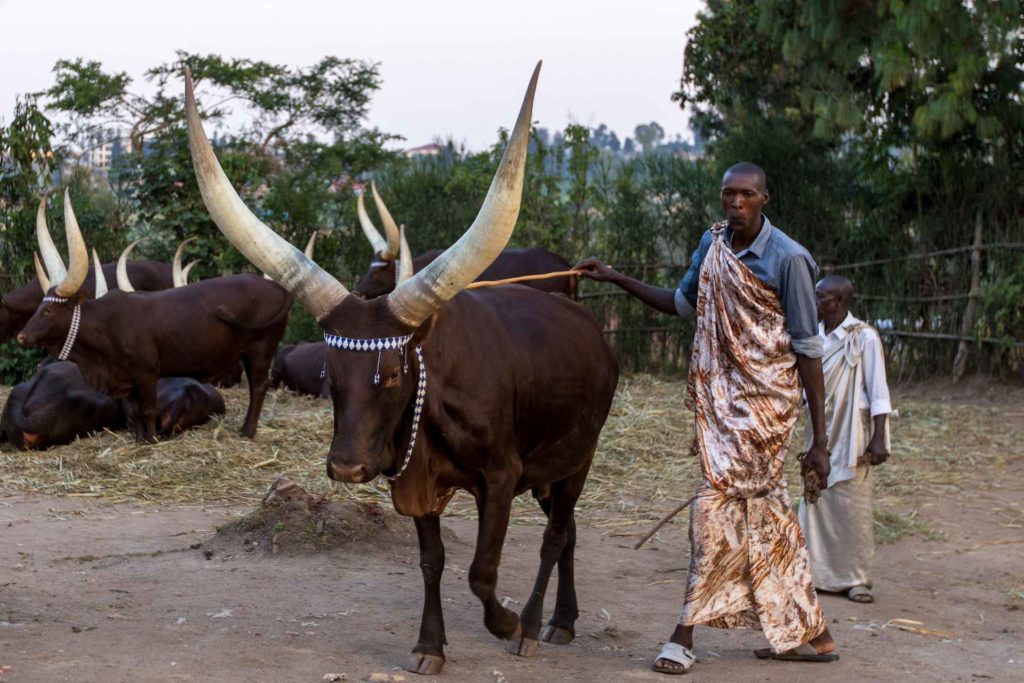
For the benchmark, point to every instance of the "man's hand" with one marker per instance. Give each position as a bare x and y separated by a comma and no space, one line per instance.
817,459
657,298
595,269
877,453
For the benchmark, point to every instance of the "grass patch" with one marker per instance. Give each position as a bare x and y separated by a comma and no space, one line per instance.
891,527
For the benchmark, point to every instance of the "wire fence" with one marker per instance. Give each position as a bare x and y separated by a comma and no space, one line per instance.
941,333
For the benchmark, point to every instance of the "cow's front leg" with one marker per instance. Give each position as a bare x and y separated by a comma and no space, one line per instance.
494,503
428,655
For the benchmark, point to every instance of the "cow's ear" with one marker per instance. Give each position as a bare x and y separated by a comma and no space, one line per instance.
78,297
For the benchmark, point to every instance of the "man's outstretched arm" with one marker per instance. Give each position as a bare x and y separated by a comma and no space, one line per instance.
658,298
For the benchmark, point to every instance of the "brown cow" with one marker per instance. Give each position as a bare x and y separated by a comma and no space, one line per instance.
520,384
301,368
17,307
380,278
182,403
124,342
54,406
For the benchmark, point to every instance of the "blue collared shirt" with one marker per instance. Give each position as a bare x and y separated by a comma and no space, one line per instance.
780,262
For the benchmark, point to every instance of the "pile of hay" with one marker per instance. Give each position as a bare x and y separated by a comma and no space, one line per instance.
642,469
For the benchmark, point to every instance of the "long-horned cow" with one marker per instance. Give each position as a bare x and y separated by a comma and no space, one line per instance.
495,391
17,306
56,405
383,273
124,342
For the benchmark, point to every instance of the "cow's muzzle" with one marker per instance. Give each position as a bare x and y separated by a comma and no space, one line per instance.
350,474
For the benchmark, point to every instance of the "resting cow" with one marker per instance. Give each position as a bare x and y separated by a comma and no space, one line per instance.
182,403
124,342
17,307
54,406
300,367
495,391
380,278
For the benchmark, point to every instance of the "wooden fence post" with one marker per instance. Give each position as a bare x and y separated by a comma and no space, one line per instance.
963,351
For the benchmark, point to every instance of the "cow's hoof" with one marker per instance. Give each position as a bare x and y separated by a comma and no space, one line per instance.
422,663
557,635
522,647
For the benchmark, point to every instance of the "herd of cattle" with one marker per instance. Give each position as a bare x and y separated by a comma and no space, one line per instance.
159,377
436,387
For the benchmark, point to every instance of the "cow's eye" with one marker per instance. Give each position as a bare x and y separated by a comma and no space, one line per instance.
393,379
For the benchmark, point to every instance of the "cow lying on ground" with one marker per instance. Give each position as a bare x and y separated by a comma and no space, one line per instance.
56,405
495,391
124,342
300,367
182,403
380,278
16,307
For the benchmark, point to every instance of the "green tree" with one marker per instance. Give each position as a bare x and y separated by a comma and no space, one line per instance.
649,135
286,104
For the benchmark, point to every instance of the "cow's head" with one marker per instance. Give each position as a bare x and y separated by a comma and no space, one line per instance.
382,274
52,319
370,425
17,307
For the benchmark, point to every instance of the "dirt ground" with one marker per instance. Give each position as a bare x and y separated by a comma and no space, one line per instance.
91,591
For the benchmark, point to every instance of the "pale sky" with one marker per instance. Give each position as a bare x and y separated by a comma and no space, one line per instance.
449,67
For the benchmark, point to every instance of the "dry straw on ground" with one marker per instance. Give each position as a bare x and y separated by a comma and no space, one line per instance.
642,468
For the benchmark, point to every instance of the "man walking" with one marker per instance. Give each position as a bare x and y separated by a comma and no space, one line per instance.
840,528
750,287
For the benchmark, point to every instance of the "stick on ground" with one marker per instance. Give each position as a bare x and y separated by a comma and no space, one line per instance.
663,522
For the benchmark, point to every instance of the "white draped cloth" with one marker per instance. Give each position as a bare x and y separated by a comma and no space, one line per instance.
839,528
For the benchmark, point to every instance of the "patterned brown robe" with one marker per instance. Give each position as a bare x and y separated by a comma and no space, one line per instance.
748,566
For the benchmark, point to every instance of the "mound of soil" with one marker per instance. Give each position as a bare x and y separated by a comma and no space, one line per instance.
290,521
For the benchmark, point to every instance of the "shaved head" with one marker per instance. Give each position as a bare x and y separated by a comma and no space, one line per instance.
838,286
748,169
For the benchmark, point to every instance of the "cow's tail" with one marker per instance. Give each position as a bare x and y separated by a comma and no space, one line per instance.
227,316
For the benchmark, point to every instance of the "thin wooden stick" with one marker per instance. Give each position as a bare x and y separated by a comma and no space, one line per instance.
523,278
663,522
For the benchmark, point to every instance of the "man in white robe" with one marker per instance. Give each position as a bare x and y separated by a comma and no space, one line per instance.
839,529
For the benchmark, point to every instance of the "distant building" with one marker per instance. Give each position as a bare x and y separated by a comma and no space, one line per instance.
431,150
101,156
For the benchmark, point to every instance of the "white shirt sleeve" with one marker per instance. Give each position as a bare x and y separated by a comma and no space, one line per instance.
874,373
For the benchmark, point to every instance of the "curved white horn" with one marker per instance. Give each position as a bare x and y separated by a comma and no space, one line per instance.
101,279
55,268
189,267
317,289
176,275
405,269
417,299
390,227
78,255
308,251
379,244
123,283
44,281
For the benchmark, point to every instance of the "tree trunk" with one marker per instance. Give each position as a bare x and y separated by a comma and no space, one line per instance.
963,351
